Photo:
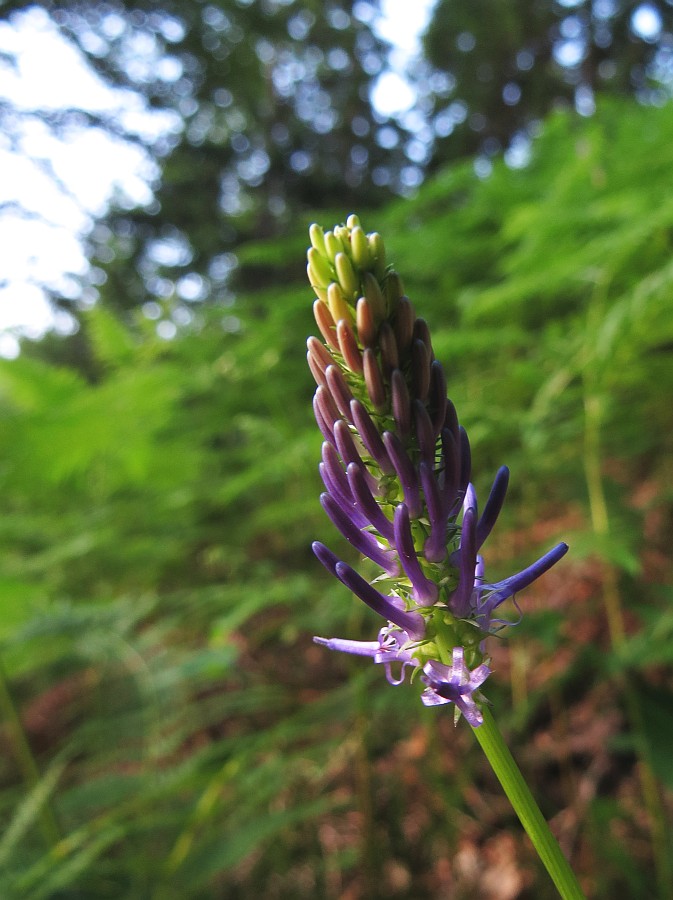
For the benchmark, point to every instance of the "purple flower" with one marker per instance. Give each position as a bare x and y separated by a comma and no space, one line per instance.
454,684
393,646
397,464
489,596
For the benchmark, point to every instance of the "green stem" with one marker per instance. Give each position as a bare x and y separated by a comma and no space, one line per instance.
519,795
25,759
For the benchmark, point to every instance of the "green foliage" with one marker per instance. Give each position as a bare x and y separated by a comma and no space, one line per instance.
177,732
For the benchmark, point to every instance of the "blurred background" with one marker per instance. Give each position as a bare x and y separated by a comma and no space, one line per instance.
169,728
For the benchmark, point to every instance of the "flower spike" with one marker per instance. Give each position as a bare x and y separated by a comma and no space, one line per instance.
397,468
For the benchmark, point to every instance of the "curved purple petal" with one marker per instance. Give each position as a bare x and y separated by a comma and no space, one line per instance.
320,355
326,557
366,504
493,505
411,622
451,420
339,390
345,502
450,473
425,591
390,357
406,472
325,403
420,368
471,499
425,432
390,648
357,648
316,371
363,541
371,438
435,546
323,425
334,479
502,590
461,599
401,404
373,379
349,454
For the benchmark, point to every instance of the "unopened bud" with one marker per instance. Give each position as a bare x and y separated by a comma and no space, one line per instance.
420,369
404,325
349,347
319,270
337,303
346,276
325,322
360,249
378,253
365,324
374,380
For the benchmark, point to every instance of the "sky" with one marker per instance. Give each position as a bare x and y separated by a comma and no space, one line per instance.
51,194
